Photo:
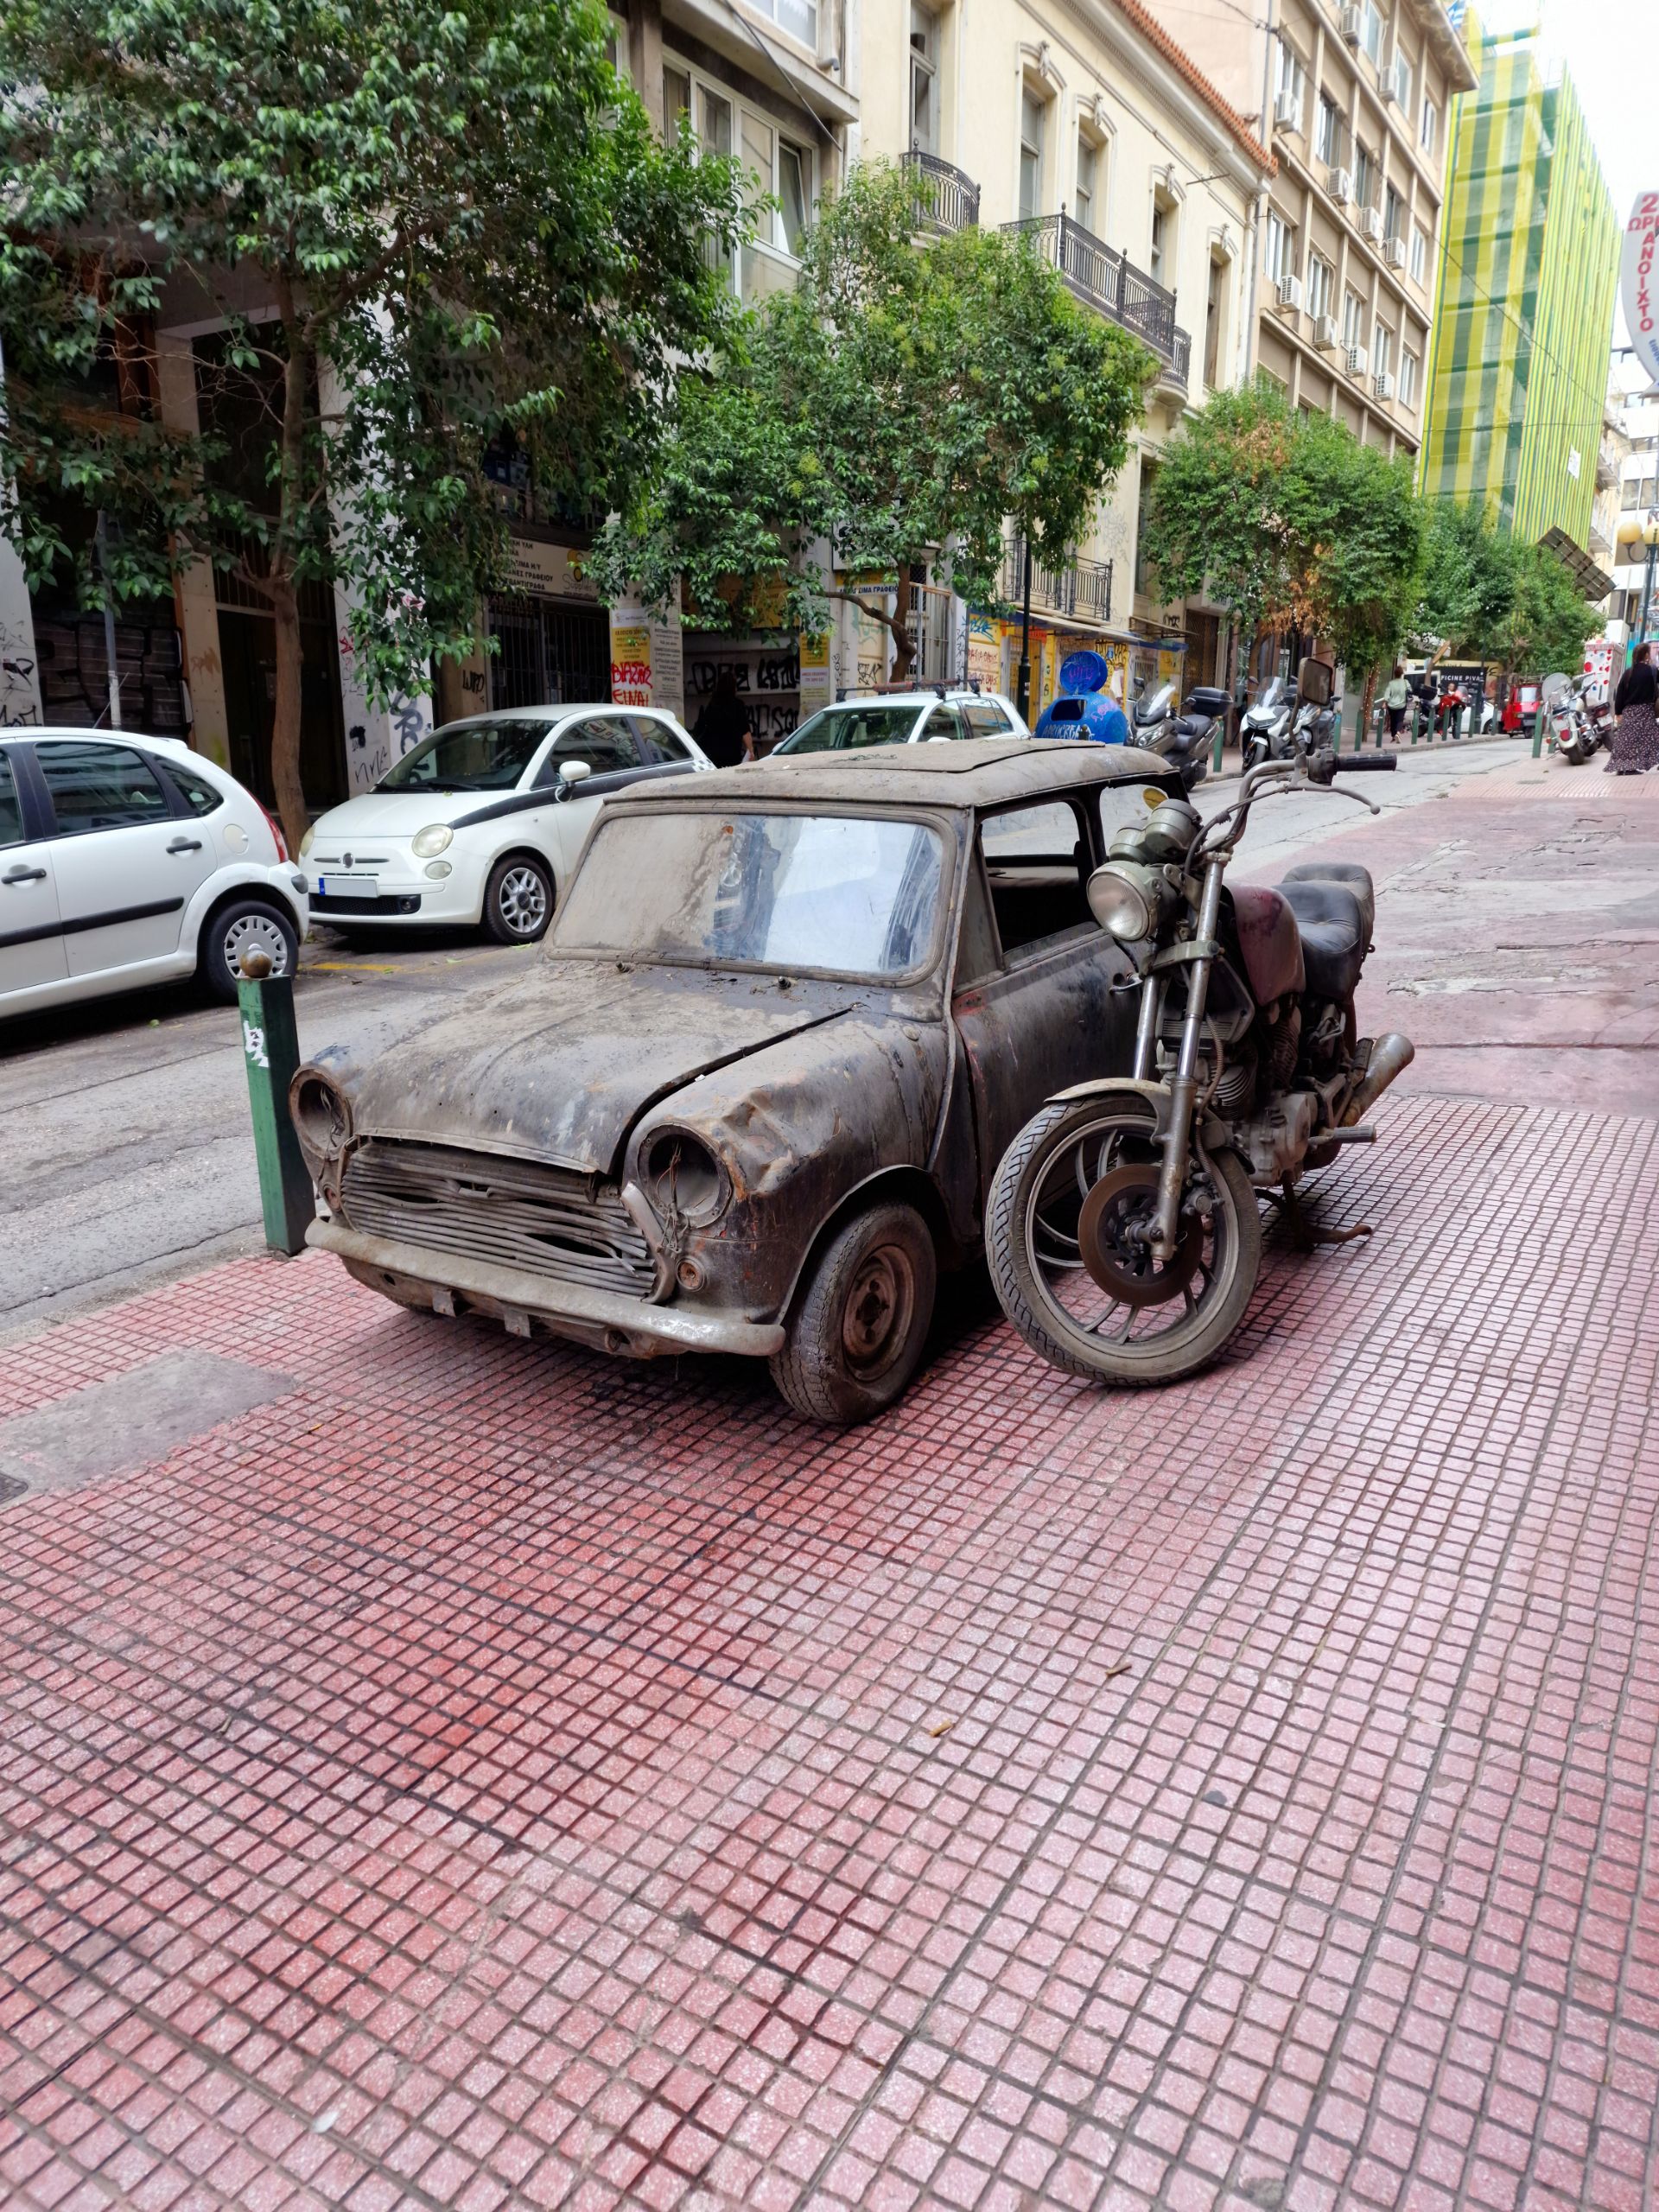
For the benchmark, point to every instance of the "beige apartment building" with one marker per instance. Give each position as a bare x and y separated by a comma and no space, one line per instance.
1082,124
1356,99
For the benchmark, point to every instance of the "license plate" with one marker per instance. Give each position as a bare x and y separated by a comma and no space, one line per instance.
348,887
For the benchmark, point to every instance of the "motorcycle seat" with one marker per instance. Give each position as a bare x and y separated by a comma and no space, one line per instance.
1332,926
1351,876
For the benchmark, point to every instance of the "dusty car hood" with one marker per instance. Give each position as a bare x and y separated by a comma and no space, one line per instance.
559,1066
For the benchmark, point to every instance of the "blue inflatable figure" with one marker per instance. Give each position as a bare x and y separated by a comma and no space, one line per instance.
1084,708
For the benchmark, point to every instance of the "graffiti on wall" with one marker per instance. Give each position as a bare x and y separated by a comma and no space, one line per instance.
18,705
766,678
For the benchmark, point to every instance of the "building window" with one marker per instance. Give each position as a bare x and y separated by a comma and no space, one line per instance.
1214,308
1033,119
794,193
1353,319
1292,84
1419,253
923,80
1383,350
1082,200
1281,250
778,169
1370,32
677,99
1327,137
1364,175
1321,284
1394,213
1429,130
1407,379
1161,262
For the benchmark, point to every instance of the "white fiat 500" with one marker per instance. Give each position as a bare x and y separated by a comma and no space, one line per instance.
126,860
483,820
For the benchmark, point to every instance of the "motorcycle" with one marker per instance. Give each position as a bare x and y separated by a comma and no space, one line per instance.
1577,725
1122,1228
1184,740
1265,728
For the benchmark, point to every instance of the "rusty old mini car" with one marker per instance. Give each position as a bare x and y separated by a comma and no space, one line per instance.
753,1092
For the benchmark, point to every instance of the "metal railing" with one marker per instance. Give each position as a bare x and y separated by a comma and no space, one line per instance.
1105,280
1081,588
945,199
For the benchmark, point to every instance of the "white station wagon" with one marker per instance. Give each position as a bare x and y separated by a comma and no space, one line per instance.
126,860
483,820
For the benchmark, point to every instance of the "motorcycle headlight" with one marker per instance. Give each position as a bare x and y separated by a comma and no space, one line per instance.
436,838
1121,901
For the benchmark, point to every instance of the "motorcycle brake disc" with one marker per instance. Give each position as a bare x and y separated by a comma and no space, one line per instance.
1127,1272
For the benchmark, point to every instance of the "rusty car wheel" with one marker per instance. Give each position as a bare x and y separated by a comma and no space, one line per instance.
861,1320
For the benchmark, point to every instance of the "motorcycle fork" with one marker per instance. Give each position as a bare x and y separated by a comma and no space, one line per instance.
1183,1091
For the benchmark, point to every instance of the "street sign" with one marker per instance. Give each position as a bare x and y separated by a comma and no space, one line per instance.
1639,281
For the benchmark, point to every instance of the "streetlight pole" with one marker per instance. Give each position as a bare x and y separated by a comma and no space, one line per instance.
1651,537
1022,690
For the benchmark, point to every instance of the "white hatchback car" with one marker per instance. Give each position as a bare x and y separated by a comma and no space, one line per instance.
924,716
484,820
126,860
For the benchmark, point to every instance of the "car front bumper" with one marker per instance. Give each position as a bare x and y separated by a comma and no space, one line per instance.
402,895
606,1319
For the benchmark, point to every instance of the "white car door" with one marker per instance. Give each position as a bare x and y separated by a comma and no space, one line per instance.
126,864
606,741
31,933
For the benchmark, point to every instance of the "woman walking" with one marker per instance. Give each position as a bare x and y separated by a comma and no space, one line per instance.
1396,699
1635,747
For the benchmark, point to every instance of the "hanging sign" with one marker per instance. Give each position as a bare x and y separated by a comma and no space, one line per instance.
1639,282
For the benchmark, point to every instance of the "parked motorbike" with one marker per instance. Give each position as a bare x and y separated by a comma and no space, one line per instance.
1184,740
1577,728
1264,729
1123,1229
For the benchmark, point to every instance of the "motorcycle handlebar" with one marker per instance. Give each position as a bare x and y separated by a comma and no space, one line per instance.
1347,762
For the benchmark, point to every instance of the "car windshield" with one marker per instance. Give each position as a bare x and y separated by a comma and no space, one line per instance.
849,893
838,729
468,757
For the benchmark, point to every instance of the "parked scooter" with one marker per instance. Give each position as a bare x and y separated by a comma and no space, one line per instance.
1264,729
1122,1227
1184,740
1577,728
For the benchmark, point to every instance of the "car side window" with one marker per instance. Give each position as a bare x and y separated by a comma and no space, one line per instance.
11,804
98,787
605,741
1037,864
986,719
658,743
198,794
941,722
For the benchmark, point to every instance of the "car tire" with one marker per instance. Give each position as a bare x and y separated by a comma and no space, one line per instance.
861,1319
240,925
518,899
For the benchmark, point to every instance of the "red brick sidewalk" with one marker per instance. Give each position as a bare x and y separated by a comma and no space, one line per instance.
488,1776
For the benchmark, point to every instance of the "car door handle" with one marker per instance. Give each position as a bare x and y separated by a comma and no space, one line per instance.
185,845
23,876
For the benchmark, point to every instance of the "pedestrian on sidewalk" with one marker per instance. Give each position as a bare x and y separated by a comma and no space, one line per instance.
1396,699
724,729
1635,748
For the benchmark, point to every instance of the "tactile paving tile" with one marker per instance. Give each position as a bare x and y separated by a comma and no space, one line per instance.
490,1776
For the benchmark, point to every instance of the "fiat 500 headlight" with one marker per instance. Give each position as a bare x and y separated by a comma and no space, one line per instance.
305,843
436,838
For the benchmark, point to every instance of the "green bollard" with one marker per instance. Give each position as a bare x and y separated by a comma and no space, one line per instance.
1221,732
271,1048
1538,734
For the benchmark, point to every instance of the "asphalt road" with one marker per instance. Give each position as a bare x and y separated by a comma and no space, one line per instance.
129,1158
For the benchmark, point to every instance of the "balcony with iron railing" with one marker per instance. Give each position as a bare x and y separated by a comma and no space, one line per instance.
1110,282
945,199
1081,589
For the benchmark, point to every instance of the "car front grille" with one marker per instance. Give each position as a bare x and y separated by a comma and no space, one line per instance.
547,1220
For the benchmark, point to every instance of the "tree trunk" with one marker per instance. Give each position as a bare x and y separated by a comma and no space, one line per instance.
286,725
1366,698
902,654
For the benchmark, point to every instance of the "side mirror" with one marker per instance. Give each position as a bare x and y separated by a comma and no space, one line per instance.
572,773
1316,680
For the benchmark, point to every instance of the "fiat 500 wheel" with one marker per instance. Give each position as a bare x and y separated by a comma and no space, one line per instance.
861,1321
518,900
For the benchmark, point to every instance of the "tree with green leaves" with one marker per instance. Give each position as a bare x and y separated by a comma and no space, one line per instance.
427,237
885,418
1289,521
1488,596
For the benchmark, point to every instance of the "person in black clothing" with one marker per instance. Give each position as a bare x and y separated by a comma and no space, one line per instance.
723,729
1639,658
1635,747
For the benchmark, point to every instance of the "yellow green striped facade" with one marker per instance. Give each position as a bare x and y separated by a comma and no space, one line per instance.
1524,309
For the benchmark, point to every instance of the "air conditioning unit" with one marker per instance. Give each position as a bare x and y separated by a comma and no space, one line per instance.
1340,185
1394,252
1356,361
1383,385
1351,26
1289,292
1370,224
1388,89
1324,333
1287,113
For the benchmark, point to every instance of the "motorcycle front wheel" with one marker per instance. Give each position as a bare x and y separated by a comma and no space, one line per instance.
1071,1273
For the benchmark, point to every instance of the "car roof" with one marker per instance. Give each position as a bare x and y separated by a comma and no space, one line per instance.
550,714
969,772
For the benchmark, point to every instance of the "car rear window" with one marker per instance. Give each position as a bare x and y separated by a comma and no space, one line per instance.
986,719
198,794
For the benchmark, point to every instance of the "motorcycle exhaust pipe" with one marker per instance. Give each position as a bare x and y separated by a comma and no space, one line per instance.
1390,1056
